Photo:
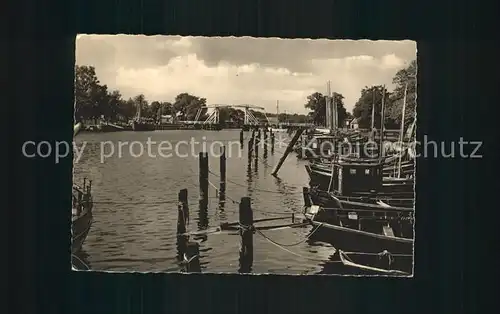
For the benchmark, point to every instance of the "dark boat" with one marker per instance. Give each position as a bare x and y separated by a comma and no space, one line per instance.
139,125
353,209
371,238
81,215
81,209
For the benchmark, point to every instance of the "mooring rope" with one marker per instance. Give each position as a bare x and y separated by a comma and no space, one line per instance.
297,254
245,186
293,244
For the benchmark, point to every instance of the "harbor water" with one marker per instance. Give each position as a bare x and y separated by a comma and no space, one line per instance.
135,205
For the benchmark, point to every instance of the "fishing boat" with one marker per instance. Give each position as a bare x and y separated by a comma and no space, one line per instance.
81,215
139,123
81,209
366,233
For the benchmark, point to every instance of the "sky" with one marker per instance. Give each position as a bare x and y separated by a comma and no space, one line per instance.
243,70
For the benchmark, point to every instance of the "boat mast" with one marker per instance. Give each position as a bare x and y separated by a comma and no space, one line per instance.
401,131
373,114
277,113
138,114
382,128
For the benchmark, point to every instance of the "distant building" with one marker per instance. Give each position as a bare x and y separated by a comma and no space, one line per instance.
167,119
353,124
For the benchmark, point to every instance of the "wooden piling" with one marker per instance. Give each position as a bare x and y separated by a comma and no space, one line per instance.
272,143
265,143
256,145
203,175
307,197
192,258
183,208
287,151
250,148
182,220
222,187
246,235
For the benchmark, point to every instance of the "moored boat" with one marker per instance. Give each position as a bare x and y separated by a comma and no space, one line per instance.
81,215
138,125
367,235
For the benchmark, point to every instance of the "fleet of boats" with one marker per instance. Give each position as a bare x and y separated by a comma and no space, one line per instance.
359,207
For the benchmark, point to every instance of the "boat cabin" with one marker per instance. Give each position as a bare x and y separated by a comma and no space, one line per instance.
322,146
354,177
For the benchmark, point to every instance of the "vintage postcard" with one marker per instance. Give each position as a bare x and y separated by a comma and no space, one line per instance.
244,155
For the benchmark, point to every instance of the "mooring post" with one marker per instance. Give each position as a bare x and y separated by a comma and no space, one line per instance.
222,187
183,206
246,235
203,176
265,143
182,219
256,145
307,198
272,142
192,258
289,148
250,148
241,138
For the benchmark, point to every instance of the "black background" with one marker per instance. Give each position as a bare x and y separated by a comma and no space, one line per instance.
455,202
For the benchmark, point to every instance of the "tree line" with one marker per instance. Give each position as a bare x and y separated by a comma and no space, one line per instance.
393,101
94,100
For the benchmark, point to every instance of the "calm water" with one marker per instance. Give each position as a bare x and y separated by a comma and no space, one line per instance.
135,207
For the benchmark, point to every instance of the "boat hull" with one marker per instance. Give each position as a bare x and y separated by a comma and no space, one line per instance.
354,240
80,228
138,126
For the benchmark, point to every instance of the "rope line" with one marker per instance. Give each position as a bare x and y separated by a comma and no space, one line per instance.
297,254
293,244
245,186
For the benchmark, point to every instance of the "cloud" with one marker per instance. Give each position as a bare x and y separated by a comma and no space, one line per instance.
242,70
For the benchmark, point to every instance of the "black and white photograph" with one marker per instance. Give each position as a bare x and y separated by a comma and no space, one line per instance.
242,155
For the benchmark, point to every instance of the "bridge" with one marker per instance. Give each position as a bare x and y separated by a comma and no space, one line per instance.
249,120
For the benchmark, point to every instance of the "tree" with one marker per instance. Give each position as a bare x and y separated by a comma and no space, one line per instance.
141,102
403,78
363,107
188,105
111,108
316,102
89,94
127,108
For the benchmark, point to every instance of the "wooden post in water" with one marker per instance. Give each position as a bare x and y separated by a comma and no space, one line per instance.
250,148
256,145
222,187
203,177
241,138
287,151
183,202
272,143
307,198
246,235
265,143
192,258
182,219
